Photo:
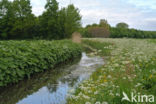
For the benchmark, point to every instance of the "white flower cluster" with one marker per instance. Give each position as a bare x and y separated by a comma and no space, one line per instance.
124,66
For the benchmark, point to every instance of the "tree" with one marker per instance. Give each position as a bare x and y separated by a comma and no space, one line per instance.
122,25
24,20
104,23
18,22
49,21
69,20
72,20
62,20
6,18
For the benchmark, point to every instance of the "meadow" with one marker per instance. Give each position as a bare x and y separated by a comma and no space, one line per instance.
21,59
129,68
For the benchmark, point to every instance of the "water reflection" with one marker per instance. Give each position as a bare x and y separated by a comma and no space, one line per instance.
52,86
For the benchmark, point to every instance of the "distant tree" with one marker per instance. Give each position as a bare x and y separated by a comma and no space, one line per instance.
94,25
97,30
88,26
122,25
104,23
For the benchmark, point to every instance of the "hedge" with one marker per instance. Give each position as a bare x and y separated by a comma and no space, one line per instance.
19,59
131,33
118,33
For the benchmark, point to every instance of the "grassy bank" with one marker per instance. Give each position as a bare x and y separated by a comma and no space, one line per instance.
19,59
130,68
103,48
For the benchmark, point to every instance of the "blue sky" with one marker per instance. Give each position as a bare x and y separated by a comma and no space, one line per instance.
140,14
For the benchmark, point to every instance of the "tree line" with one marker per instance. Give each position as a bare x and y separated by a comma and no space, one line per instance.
131,33
18,22
121,30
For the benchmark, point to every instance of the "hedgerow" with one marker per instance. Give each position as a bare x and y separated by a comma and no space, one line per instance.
19,59
131,33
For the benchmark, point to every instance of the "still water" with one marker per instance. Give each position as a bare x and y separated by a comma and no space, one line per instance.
52,86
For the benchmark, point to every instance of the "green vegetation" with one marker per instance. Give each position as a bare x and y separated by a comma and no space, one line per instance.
103,48
18,22
103,29
96,30
27,87
23,58
131,33
122,25
129,68
152,40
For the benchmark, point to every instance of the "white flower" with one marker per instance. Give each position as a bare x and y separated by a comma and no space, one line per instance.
89,91
138,84
96,92
98,102
72,96
104,102
87,103
72,91
86,97
117,86
111,94
117,94
116,65
99,50
80,94
125,62
124,78
109,76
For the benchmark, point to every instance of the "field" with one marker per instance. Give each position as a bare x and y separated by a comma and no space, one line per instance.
20,59
130,68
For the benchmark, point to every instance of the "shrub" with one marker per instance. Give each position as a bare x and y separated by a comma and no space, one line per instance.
99,32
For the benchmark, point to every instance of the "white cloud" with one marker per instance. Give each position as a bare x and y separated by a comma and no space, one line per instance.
137,13
144,3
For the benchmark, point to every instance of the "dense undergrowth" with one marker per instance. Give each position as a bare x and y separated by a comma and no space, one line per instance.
129,69
19,59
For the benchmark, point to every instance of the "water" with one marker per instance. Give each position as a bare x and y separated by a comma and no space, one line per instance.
51,87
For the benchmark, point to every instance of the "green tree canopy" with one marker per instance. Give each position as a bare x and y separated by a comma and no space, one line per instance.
6,18
104,23
23,18
122,25
18,22
49,20
72,20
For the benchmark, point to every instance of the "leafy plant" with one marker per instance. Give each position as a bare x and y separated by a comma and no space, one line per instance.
19,59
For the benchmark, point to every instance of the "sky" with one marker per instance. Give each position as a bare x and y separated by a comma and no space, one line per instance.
139,14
